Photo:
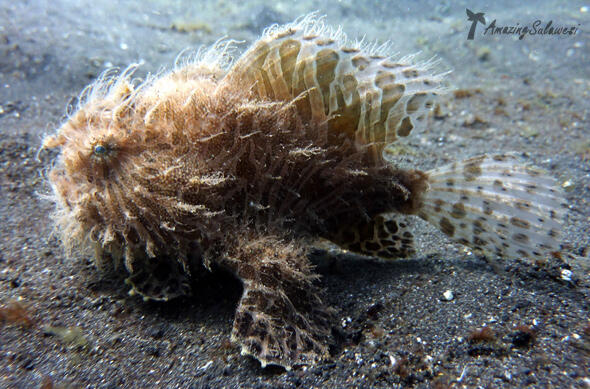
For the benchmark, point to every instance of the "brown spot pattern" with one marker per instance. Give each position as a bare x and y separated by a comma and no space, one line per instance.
458,211
472,170
381,237
515,221
447,227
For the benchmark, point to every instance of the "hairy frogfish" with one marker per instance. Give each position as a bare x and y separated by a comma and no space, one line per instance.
244,164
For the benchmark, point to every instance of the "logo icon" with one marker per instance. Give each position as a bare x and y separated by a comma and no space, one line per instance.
474,18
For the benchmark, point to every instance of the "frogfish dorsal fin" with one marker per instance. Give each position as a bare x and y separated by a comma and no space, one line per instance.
354,88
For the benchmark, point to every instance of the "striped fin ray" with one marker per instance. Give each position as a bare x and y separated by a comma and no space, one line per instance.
496,205
355,88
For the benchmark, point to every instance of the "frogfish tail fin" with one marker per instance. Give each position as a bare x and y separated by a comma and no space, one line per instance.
497,205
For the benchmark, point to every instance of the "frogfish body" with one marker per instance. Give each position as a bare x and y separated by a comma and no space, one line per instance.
243,166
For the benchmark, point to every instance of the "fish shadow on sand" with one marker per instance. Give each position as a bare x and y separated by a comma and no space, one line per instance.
351,284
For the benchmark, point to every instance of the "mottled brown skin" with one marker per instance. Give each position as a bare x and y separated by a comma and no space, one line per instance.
240,180
249,162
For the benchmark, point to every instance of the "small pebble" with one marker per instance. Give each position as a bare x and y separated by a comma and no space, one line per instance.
206,366
568,186
483,54
523,337
566,275
448,295
154,351
156,332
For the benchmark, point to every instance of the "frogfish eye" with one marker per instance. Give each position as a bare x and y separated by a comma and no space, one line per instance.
100,150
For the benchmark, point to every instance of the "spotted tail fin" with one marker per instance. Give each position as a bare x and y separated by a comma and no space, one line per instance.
357,89
496,205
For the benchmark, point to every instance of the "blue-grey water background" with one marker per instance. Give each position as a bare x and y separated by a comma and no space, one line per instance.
396,327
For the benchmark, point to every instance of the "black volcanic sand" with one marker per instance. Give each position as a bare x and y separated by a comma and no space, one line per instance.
406,323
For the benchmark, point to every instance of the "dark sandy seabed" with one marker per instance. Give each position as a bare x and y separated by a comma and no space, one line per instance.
66,325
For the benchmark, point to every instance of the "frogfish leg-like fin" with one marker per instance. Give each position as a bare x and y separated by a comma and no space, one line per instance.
161,278
357,89
497,205
387,236
280,319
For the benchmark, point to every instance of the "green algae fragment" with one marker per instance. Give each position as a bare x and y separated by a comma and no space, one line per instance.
71,336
